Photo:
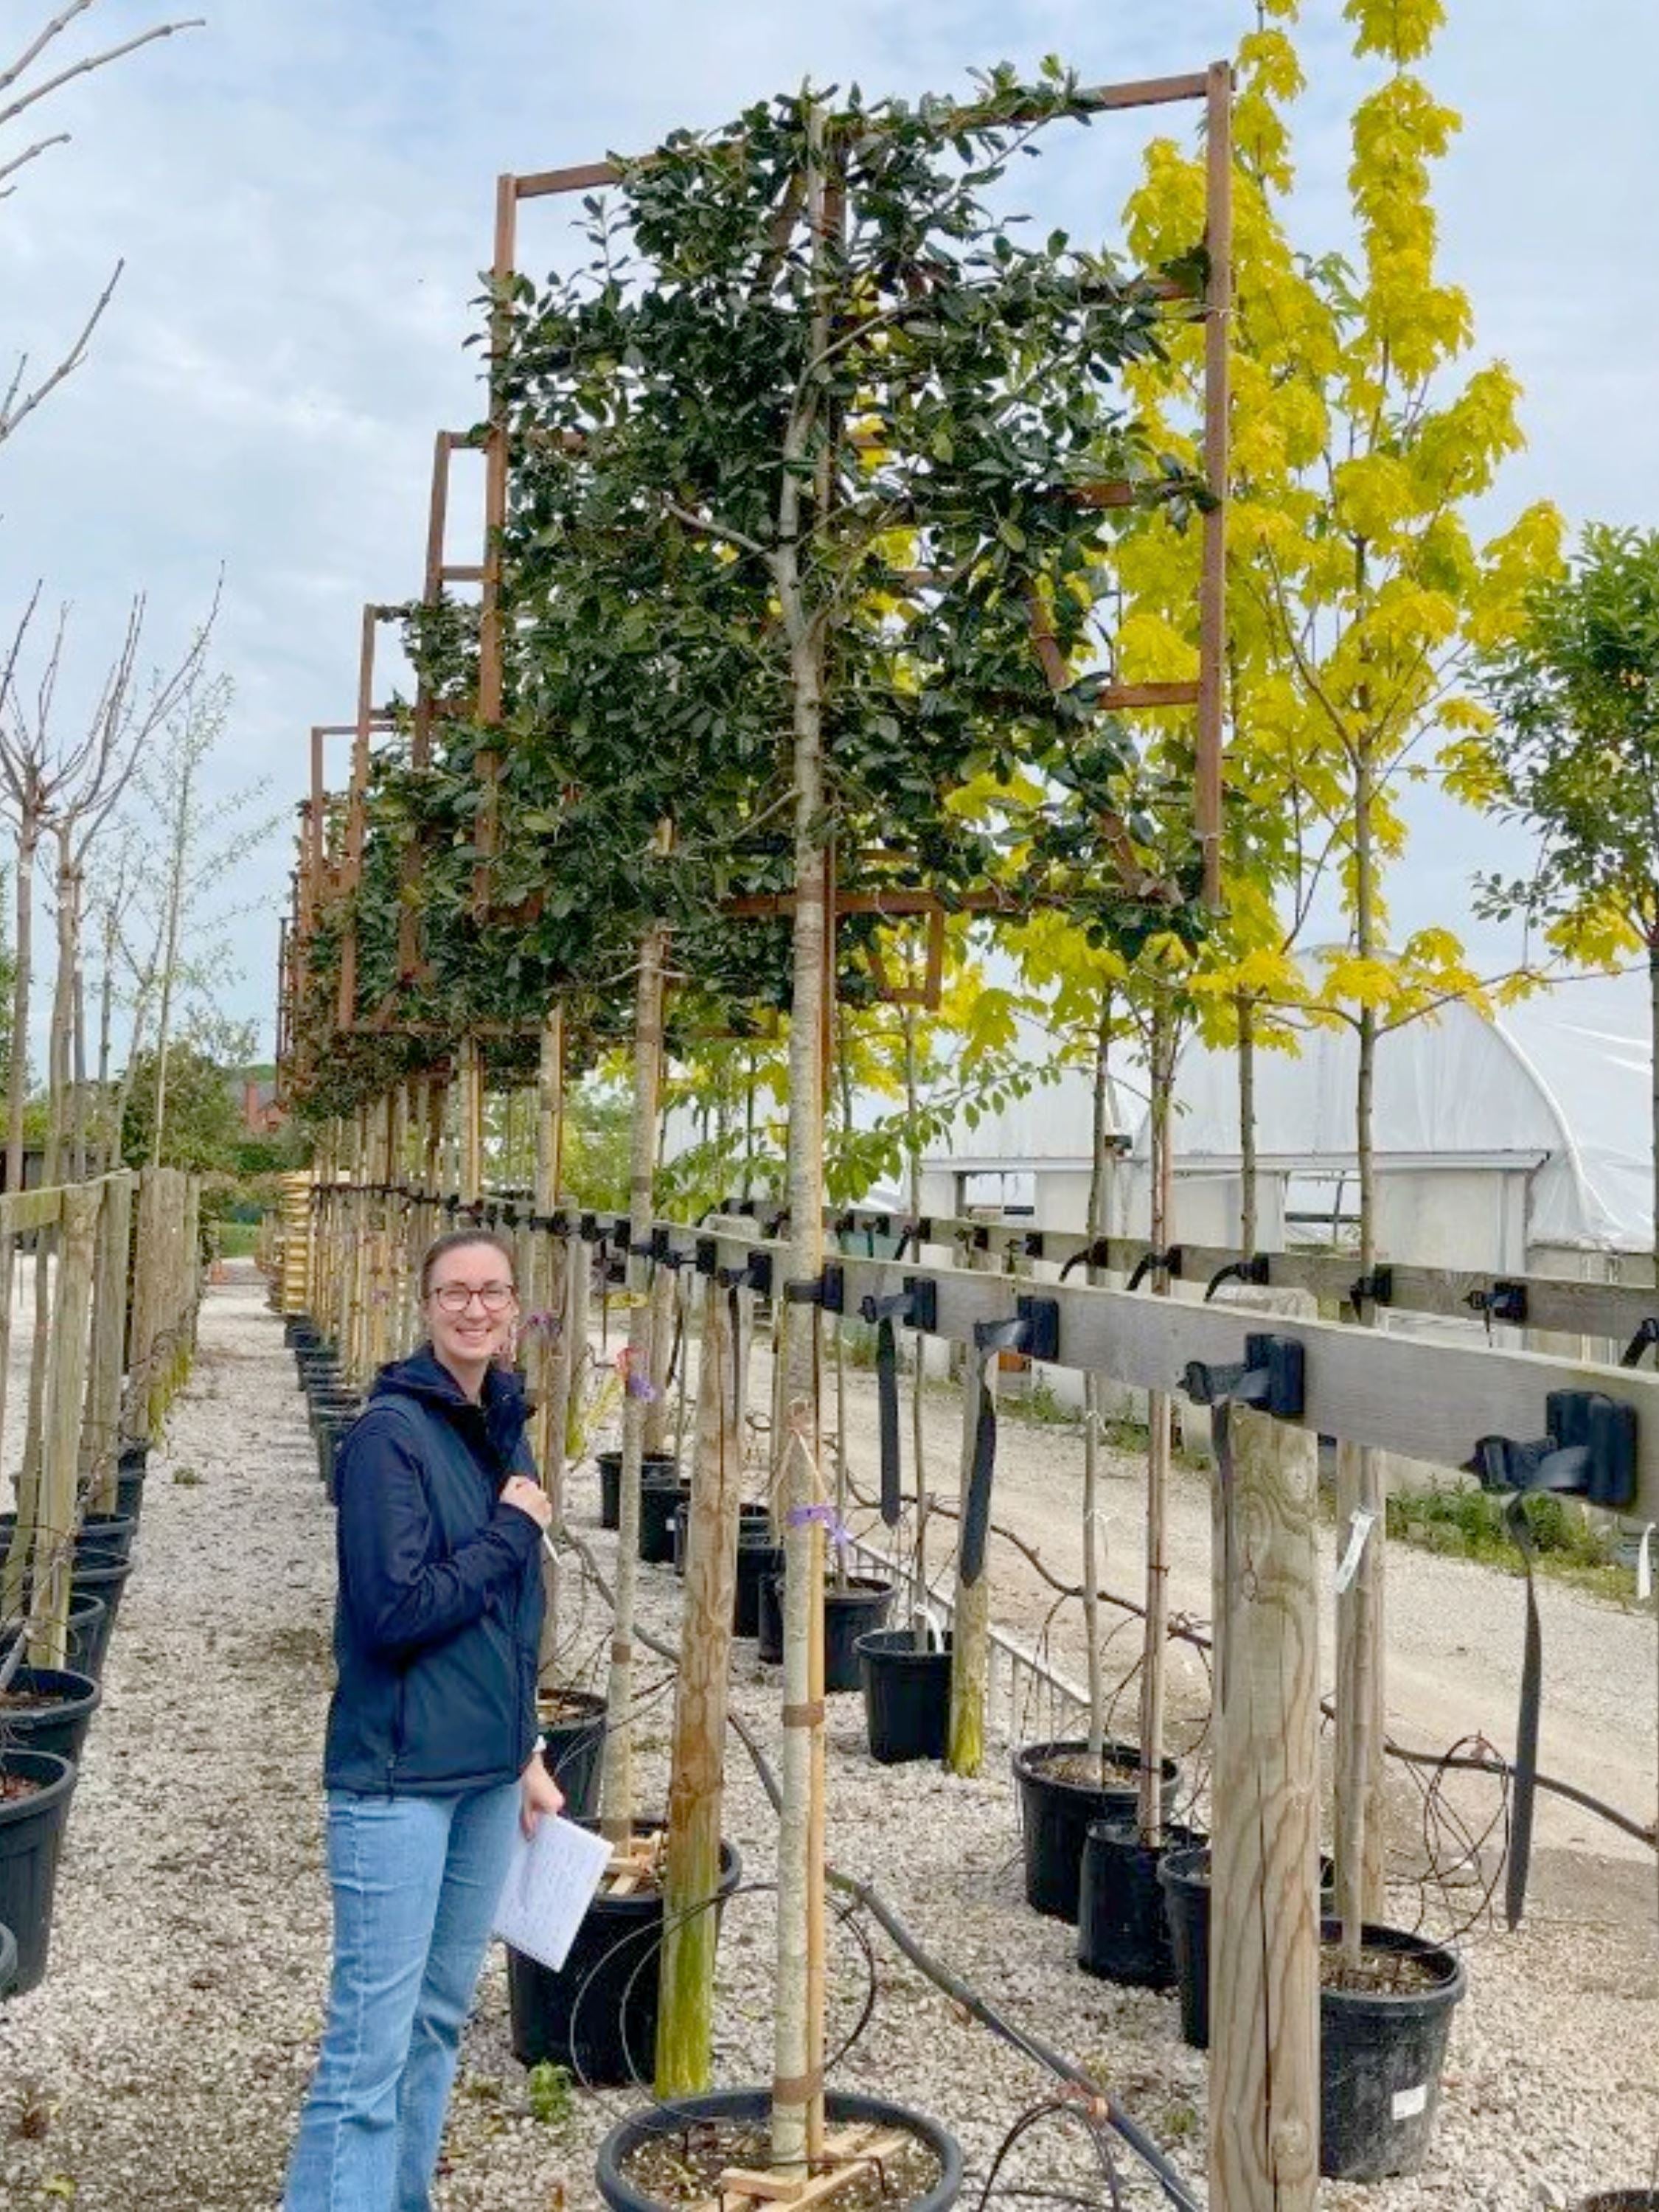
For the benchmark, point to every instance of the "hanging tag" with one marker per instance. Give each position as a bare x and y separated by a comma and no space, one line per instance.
1358,1528
1644,1565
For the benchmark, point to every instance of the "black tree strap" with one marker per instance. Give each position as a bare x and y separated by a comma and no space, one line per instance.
990,1339
887,1411
1526,1726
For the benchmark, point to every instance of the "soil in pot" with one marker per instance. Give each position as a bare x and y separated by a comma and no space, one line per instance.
597,2014
907,1696
661,1497
1382,2050
1060,1791
48,1709
672,2156
610,1466
35,1787
757,1559
572,1723
1122,1932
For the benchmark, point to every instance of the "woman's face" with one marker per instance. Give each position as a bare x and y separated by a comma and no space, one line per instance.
468,1333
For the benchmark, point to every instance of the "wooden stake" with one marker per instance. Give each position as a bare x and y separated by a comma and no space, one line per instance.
1212,594
101,1438
65,1410
1264,1906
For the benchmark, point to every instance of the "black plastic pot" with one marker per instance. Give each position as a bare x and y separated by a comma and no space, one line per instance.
1122,1931
131,1465
758,1560
1607,2200
1054,1816
597,2014
8,1962
907,1696
336,1399
841,2109
610,1466
754,1522
574,1752
1184,1877
101,1532
1381,2056
98,1574
661,1497
331,1430
850,1610
31,1836
87,1639
59,1723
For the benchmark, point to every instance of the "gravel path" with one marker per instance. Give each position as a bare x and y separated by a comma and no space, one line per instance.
160,2066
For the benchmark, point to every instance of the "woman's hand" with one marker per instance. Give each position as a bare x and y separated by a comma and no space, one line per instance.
527,1497
539,1793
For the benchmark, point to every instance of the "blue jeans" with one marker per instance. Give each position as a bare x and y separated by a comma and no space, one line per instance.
416,1881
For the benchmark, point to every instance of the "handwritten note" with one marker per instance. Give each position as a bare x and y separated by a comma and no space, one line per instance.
548,1888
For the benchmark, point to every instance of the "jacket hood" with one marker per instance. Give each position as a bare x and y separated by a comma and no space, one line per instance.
423,1377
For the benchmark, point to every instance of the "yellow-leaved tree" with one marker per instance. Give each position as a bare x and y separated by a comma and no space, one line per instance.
1360,595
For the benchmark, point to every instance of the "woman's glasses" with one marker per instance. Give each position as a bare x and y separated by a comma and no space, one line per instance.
456,1297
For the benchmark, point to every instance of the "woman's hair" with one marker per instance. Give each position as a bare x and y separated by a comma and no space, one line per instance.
455,1240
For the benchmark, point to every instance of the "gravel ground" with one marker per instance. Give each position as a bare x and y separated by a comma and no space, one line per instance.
161,2064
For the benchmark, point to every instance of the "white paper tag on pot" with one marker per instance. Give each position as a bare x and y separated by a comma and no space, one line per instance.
1644,1564
1408,2103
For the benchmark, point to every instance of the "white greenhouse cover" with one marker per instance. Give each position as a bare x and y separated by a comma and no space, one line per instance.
1559,1086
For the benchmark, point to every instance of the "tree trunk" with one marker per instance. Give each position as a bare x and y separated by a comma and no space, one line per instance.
178,853
1653,1094
685,2023
1093,1396
1159,1409
1249,1184
16,1096
1360,1489
549,1359
617,1795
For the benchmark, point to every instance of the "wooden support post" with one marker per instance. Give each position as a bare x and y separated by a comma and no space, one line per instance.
65,1409
685,2024
1361,1802
548,1364
1264,1909
1212,594
471,1161
100,1435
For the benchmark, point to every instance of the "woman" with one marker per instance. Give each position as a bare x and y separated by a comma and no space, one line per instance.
432,1754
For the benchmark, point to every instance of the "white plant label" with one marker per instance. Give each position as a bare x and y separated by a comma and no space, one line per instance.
1408,2103
1644,1564
1358,1528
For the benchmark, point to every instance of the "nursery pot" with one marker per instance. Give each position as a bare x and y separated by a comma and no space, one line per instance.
597,2014
99,1574
610,1466
907,1696
58,1712
336,1399
87,1639
678,2118
1054,1816
8,1961
1122,1934
1185,1879
573,1747
850,1610
1381,2053
661,1495
754,1522
31,1834
103,1532
331,1430
1606,2200
759,1558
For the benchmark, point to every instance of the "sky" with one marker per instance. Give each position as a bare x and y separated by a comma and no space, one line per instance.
303,190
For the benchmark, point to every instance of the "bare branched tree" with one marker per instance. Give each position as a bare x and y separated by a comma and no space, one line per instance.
34,75
67,787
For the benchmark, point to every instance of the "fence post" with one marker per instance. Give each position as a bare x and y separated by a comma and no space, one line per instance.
100,1432
64,1408
1264,1858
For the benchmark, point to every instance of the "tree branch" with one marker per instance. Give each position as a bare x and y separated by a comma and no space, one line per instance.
14,410
87,64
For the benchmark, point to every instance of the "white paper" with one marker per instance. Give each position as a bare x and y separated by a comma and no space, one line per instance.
1408,2103
1644,1564
548,1888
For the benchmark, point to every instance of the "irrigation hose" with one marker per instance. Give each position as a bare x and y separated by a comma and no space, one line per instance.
1079,2083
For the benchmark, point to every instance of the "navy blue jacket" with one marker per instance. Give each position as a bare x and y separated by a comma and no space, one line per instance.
437,1627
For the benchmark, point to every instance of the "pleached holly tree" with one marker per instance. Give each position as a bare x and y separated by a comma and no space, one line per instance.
796,518
1359,593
